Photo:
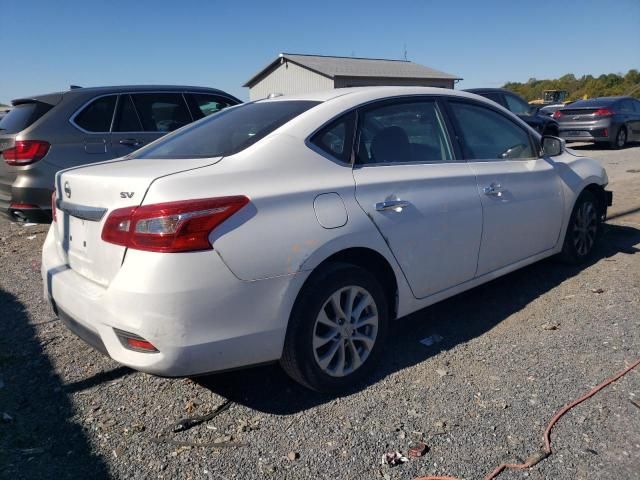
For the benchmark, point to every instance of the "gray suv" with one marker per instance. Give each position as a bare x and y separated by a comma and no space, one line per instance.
47,133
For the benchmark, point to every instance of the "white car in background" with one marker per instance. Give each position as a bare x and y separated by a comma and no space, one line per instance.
298,228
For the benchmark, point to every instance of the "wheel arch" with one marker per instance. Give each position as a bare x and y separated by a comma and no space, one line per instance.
370,260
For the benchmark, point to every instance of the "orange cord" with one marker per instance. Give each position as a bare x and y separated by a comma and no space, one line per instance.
539,456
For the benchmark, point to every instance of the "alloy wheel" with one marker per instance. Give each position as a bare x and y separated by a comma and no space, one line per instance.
621,138
585,228
345,331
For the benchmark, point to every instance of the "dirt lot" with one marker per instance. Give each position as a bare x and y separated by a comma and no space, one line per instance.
512,353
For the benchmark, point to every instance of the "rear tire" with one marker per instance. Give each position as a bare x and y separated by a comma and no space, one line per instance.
583,231
621,139
337,329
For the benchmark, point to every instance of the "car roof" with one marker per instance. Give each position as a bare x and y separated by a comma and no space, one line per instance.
55,97
599,101
373,93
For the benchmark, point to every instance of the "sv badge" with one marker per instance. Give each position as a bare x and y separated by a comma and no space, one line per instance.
126,194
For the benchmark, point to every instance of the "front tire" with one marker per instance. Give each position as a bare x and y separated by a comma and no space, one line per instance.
337,329
583,230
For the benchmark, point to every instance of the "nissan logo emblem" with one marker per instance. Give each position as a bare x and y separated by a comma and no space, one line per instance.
67,189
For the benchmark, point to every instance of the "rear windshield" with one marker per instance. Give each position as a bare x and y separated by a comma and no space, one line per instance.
23,115
227,132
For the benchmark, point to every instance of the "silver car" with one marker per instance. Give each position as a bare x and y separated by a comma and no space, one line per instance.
47,133
610,121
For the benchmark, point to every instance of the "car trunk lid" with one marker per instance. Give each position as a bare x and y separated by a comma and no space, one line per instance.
86,196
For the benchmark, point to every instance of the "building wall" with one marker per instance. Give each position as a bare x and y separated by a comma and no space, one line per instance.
341,82
287,79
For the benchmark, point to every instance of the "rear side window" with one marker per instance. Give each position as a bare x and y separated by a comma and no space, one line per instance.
97,116
228,132
161,112
202,105
23,115
336,138
126,117
403,133
487,135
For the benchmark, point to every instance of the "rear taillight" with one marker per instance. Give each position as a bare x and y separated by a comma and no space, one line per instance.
170,227
557,114
53,206
25,152
603,112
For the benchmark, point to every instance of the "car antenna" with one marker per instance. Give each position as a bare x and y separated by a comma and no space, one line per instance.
73,87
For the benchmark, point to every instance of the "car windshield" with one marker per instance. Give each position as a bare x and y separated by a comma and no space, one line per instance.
227,132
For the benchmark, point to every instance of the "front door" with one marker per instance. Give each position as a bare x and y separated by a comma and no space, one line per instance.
521,194
424,202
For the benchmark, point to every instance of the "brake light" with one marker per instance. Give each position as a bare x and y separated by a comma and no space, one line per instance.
25,152
557,114
603,112
53,206
170,227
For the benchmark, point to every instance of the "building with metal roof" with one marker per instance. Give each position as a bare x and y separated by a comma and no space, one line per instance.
292,73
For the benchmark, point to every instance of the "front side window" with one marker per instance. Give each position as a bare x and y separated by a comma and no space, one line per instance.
97,116
336,138
228,132
517,106
488,135
202,104
403,133
161,112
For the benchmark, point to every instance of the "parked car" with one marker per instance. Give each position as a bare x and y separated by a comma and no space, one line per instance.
299,228
609,121
46,133
542,123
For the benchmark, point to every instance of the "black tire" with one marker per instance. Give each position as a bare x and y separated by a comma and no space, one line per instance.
573,249
299,355
620,140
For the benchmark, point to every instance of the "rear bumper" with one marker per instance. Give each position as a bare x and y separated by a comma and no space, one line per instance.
198,315
600,131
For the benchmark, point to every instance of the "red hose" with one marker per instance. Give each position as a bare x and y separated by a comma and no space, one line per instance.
541,455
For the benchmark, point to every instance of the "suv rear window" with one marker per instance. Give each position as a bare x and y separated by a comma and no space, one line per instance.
23,115
227,132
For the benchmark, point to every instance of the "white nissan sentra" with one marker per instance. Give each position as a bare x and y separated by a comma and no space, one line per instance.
298,229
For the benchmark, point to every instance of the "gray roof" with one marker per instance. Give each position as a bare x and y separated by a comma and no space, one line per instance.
332,67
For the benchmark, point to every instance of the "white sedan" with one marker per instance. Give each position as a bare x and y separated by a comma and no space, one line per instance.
297,229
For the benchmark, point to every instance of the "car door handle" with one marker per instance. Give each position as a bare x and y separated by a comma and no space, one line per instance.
494,190
395,205
131,142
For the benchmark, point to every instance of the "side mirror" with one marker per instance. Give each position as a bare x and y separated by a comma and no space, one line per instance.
552,146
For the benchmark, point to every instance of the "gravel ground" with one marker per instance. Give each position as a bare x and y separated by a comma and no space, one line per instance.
512,353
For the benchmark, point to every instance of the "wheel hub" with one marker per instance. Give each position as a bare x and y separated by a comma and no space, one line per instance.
345,331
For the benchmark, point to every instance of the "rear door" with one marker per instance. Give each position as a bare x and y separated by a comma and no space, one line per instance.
521,193
630,117
94,121
144,117
423,201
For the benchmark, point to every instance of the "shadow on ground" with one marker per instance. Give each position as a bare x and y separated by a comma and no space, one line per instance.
39,440
458,319
594,146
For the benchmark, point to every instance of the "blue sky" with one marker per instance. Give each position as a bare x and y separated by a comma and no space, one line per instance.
48,45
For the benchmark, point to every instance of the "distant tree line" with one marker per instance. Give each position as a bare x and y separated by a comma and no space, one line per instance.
578,88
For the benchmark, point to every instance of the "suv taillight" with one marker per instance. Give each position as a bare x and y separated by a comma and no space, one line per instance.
170,227
25,152
557,114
